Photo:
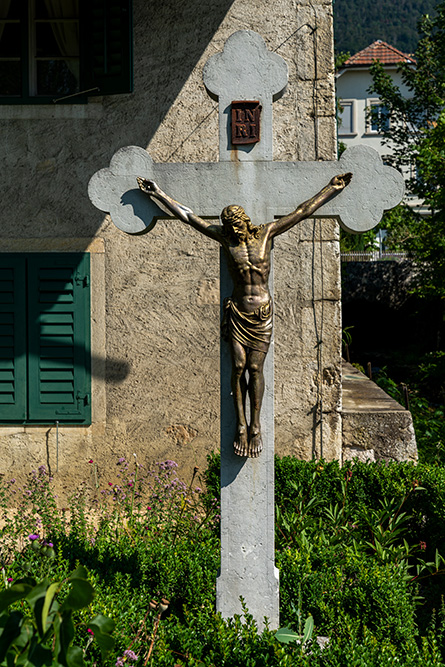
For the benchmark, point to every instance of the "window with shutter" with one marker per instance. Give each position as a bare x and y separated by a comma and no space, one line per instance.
52,51
45,338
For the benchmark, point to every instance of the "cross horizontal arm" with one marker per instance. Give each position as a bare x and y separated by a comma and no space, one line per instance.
210,186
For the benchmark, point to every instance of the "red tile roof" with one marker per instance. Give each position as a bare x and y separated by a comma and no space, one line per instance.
378,50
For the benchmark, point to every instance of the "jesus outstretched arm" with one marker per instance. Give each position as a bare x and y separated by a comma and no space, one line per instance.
172,207
308,208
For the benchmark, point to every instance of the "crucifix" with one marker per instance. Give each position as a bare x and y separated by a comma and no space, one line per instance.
245,78
248,313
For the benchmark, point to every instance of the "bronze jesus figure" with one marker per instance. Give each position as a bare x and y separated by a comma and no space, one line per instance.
247,321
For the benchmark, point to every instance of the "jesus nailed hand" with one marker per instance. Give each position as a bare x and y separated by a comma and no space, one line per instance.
248,312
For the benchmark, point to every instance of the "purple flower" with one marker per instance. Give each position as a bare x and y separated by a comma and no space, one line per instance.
198,489
121,460
33,537
10,580
12,481
131,655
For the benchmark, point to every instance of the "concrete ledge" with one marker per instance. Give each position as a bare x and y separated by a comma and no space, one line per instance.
46,244
374,426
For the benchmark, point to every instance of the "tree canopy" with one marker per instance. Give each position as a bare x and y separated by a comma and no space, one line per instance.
416,139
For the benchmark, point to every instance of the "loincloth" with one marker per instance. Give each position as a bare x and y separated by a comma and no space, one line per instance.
252,330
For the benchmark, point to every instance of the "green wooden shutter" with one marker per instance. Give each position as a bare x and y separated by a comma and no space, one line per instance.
59,338
107,46
12,338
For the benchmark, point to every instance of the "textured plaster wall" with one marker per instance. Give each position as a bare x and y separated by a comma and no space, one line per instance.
155,324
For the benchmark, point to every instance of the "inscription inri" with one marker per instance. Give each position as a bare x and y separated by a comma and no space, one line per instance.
245,122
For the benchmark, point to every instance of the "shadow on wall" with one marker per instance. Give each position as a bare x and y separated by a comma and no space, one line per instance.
59,154
169,40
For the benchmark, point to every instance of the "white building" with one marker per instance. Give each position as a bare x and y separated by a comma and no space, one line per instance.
354,81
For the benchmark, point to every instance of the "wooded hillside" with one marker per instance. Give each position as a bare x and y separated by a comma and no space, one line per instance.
358,23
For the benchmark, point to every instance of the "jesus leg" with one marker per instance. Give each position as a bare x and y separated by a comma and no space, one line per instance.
255,363
239,389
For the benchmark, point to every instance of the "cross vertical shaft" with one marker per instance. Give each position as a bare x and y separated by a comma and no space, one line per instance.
246,70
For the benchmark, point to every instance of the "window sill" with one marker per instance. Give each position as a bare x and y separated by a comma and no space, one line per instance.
94,109
347,134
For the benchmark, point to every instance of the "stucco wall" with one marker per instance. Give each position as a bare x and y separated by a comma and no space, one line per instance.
155,320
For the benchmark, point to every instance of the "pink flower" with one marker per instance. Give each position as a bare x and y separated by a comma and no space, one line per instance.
90,461
422,545
110,483
90,632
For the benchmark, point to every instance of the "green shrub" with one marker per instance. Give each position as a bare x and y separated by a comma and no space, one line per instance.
358,547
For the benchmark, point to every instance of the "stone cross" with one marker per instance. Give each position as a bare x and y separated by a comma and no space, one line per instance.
246,175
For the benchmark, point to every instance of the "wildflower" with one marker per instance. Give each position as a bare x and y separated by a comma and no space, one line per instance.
42,470
121,460
130,483
90,632
148,507
110,483
33,537
10,580
348,474
198,489
130,655
12,481
90,461
422,545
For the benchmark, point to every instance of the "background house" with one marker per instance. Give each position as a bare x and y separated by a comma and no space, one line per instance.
353,83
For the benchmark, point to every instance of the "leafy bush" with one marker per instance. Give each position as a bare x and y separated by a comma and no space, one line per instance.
44,636
358,547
